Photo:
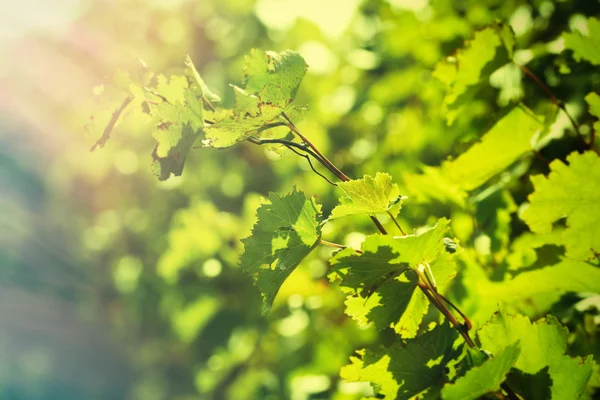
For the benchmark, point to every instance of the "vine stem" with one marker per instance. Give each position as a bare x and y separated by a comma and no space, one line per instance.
332,167
111,124
337,245
555,101
396,223
424,284
335,170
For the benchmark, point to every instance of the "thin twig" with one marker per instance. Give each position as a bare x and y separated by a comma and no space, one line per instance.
311,165
396,222
111,124
293,128
553,99
337,245
289,144
435,298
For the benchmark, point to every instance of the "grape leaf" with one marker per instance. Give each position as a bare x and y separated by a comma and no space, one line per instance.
493,215
573,192
369,196
287,230
406,368
530,249
485,378
463,72
274,77
570,376
593,100
198,84
566,276
271,82
585,47
543,343
178,110
381,285
508,140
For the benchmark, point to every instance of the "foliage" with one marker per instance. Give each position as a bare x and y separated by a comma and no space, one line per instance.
475,140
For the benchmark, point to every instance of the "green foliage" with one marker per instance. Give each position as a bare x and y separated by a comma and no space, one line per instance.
509,139
464,72
485,378
393,370
382,282
369,196
585,47
422,300
542,344
287,230
553,200
271,82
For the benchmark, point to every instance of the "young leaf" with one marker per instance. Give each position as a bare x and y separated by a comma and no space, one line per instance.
483,379
543,343
271,82
553,199
406,368
179,114
369,196
274,77
287,230
585,47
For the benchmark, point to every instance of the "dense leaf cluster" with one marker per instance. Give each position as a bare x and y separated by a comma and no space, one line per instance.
393,281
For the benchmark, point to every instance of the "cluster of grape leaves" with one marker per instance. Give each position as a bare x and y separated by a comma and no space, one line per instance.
529,357
562,211
381,278
185,113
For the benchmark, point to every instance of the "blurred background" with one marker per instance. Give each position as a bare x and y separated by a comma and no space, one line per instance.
114,285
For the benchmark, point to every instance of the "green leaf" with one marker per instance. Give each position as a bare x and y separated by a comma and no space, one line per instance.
593,100
570,376
463,72
543,343
573,192
197,83
380,282
369,196
585,47
287,230
406,368
274,77
535,249
271,82
493,216
509,139
174,144
566,276
483,379
179,114
244,121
